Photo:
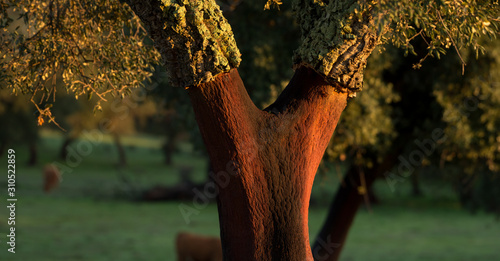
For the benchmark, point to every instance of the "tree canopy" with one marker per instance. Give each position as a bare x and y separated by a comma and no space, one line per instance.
275,151
99,47
91,47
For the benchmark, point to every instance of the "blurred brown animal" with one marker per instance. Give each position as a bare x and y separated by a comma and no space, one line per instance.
51,177
191,247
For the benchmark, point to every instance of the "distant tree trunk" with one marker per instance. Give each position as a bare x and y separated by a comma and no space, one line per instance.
343,209
63,152
169,147
33,154
122,157
465,189
345,204
416,191
3,147
185,174
171,134
372,197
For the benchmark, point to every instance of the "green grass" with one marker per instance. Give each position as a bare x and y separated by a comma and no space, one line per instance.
89,217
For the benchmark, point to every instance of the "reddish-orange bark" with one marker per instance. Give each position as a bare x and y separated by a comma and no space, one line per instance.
270,159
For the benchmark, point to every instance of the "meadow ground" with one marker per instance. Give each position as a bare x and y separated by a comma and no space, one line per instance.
92,216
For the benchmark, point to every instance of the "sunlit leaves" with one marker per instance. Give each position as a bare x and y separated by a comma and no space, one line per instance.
89,46
366,123
472,112
272,4
442,24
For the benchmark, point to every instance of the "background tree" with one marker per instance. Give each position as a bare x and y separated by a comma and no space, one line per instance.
409,138
317,52
271,156
16,113
414,122
470,112
118,118
175,118
92,47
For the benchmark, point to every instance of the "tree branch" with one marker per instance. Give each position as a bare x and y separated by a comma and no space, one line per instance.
193,37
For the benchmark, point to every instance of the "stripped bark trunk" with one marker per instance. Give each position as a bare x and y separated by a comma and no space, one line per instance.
271,156
264,161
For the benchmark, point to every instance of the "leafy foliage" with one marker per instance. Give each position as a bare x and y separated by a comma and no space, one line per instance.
93,47
441,23
472,112
272,3
84,42
266,41
367,124
335,31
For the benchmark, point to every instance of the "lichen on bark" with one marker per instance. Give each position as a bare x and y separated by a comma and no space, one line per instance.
337,38
199,41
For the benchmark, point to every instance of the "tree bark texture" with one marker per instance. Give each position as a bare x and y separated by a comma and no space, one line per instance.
267,161
264,160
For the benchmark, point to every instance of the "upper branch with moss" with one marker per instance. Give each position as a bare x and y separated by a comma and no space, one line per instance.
194,38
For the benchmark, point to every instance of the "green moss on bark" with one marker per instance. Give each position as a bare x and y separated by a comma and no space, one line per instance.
337,38
200,42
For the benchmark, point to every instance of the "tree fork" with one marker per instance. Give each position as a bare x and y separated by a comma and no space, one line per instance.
263,208
273,155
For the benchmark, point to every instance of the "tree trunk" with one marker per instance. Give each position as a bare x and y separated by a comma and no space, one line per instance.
122,158
345,204
169,147
33,159
416,191
3,147
265,161
63,152
342,211
372,197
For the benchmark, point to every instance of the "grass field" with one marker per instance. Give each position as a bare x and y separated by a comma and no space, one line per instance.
91,217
